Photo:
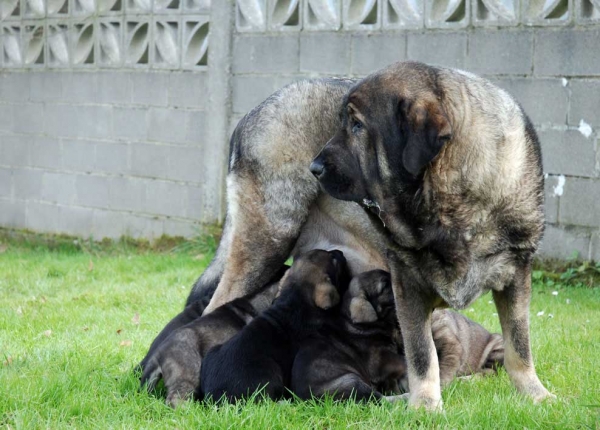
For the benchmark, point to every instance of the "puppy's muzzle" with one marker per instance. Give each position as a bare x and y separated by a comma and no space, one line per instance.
317,168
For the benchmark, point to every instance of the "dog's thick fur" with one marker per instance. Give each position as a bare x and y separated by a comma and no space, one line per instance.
355,355
177,356
451,167
262,354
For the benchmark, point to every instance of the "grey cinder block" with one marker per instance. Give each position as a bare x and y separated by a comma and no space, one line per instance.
551,199
45,151
43,217
106,223
327,53
140,226
188,90
440,48
567,52
130,123
150,160
180,228
585,101
58,188
92,191
150,88
80,87
12,213
128,194
5,182
595,248
195,194
250,91
27,183
76,221
500,52
560,242
568,152
167,125
166,198
185,164
115,87
14,86
580,202
46,86
545,100
61,120
28,118
78,155
371,52
265,54
14,150
95,122
112,158
196,127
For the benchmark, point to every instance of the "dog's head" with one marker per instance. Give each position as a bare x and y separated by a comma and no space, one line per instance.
320,276
370,298
392,126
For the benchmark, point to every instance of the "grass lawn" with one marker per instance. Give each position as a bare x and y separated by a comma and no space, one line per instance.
74,322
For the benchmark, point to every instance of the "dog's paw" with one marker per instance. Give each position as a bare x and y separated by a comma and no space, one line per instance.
429,404
543,396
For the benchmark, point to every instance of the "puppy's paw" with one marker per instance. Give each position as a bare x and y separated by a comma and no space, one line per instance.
543,396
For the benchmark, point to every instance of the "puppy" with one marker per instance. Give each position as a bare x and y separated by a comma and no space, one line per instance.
178,356
261,355
463,347
356,356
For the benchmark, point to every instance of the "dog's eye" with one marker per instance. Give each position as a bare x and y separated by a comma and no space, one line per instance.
356,126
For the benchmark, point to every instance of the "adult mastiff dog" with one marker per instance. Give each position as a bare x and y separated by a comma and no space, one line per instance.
448,168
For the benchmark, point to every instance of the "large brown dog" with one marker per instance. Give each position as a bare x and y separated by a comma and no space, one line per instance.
467,222
450,167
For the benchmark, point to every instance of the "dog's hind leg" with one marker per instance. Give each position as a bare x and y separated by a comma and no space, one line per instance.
512,304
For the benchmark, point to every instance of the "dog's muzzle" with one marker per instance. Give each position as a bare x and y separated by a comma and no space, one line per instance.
317,167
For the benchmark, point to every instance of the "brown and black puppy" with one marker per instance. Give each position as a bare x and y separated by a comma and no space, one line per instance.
261,355
450,169
355,355
177,358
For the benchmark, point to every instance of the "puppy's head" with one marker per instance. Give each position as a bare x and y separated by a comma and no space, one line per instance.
392,126
370,298
320,276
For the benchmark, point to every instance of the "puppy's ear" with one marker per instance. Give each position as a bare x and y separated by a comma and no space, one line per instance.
361,311
326,295
427,129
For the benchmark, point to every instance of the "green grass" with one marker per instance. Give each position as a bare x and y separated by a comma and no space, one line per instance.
69,338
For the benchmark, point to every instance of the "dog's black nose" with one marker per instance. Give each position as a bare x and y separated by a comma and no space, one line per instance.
317,167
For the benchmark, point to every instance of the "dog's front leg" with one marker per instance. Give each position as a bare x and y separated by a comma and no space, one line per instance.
414,309
512,304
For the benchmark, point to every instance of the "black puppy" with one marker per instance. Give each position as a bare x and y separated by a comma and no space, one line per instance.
356,356
177,358
262,354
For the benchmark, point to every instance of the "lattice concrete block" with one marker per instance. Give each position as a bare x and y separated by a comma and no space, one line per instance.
10,9
109,37
322,14
251,15
495,12
546,12
401,14
11,45
284,15
195,6
134,7
33,43
56,8
57,32
447,13
587,11
137,42
167,6
362,14
36,9
194,50
83,43
82,8
110,7
166,43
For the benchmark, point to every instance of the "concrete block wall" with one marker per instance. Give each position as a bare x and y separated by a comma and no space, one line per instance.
75,158
140,146
546,54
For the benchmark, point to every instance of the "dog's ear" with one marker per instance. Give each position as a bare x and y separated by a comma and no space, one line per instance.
326,295
427,129
361,311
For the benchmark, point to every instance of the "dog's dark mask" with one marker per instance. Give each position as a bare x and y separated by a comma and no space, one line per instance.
385,142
